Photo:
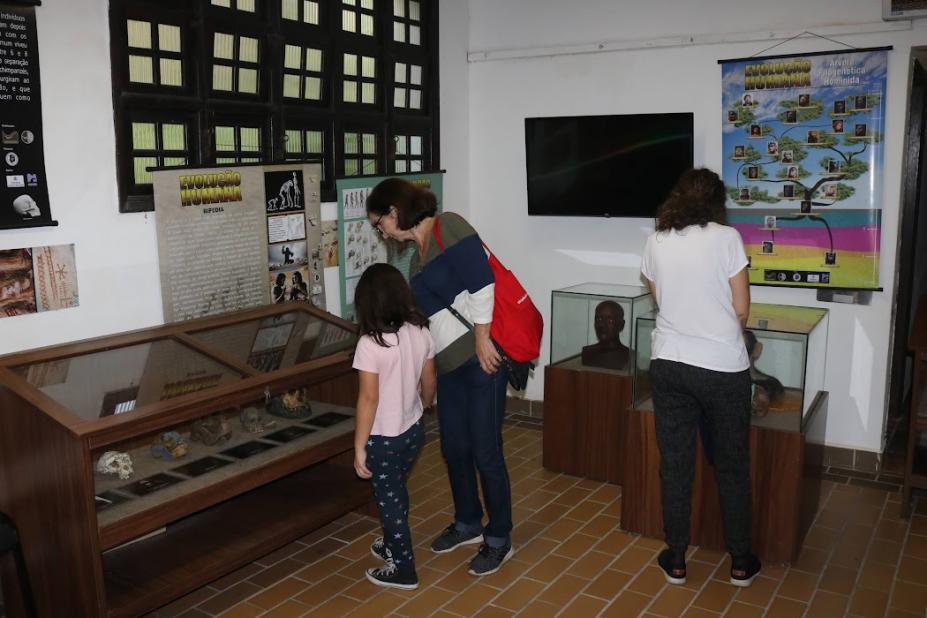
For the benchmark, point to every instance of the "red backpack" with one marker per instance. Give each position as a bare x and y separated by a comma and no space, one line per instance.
517,325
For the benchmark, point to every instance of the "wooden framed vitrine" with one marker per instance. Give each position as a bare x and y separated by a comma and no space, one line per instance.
263,400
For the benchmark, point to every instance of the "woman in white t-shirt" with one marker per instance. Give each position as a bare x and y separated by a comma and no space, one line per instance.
696,269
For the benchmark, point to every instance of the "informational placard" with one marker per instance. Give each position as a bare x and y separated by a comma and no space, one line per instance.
238,236
24,190
803,143
358,244
37,279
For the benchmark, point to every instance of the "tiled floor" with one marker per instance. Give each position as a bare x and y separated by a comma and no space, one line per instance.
573,560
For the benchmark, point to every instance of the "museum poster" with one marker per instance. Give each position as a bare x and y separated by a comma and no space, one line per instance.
232,237
24,191
803,145
359,245
37,279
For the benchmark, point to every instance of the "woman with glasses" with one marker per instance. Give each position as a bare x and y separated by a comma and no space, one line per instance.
450,274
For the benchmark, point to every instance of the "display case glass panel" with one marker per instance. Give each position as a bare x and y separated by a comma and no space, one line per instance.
279,341
592,325
788,358
118,380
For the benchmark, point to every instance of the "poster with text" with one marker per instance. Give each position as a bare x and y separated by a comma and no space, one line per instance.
358,244
803,145
37,279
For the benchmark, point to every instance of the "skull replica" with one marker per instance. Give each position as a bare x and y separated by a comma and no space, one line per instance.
293,404
253,421
211,430
114,462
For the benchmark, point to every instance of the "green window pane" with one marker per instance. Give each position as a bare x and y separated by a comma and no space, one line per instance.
174,161
415,74
350,167
400,73
247,81
366,24
399,8
367,4
415,165
350,64
314,142
399,97
400,166
311,12
223,46
225,138
139,33
141,70
415,99
226,161
171,72
368,67
369,94
400,141
313,88
292,55
226,3
415,145
246,5
347,21
350,92
248,49
291,86
221,78
369,143
415,35
169,38
289,9
250,139
143,136
370,166
415,12
314,60
294,141
399,31
173,137
250,160
350,2
142,175
350,143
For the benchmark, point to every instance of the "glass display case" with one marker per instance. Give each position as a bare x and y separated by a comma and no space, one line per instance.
153,439
788,349
592,325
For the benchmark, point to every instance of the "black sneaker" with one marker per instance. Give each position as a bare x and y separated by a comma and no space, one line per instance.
744,570
490,559
389,576
673,565
451,539
379,550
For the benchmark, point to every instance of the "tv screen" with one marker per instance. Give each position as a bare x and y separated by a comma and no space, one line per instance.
605,166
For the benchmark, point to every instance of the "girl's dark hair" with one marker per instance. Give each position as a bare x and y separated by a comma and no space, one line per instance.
697,199
413,203
383,303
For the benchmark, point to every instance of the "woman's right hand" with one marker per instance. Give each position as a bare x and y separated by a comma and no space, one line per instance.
486,351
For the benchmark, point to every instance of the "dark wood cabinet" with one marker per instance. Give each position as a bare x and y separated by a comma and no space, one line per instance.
98,545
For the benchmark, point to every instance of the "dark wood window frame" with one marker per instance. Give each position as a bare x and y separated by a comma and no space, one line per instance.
201,109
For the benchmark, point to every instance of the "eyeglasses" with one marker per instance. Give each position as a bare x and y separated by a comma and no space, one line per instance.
376,224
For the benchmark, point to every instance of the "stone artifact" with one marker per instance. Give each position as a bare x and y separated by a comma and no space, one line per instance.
211,430
253,420
609,352
170,445
292,404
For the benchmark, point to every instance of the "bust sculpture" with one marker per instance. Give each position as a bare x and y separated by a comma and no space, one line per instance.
608,352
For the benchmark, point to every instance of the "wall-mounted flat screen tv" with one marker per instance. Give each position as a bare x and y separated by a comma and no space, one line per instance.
605,166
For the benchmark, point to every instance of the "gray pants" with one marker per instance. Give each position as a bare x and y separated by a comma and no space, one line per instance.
681,395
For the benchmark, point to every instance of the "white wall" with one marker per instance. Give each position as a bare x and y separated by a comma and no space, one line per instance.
117,256
548,253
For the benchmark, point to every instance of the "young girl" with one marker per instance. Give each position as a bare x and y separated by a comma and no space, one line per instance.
395,362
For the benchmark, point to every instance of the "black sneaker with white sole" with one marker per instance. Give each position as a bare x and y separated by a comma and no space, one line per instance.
673,565
379,550
744,570
490,559
389,576
451,538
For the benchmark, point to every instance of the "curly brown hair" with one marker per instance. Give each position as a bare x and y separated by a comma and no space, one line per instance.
697,199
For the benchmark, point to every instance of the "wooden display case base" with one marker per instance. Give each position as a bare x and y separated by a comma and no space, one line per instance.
585,420
785,473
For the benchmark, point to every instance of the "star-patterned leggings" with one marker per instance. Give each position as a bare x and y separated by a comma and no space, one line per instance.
390,458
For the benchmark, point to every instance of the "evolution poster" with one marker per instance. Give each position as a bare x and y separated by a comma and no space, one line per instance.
37,279
803,144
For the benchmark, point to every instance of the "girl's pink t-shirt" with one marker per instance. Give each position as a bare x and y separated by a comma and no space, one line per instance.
399,368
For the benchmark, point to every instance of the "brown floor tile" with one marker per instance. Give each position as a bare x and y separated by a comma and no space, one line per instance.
535,550
741,610
827,604
891,530
540,609
591,565
798,585
829,518
909,597
361,591
884,551
243,610
601,525
494,612
576,546
709,556
279,571
323,568
627,604
559,531
379,606
519,594
869,603
649,581
916,547
237,576
759,593
185,602
633,559
584,511
229,597
457,580
810,560
919,525
290,609
913,570
325,589
470,602
785,608
608,584
714,596
700,612
284,552
337,607
697,573
278,593
424,602
614,542
838,579
672,602
821,538
605,494
549,569
562,591
876,576
584,606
